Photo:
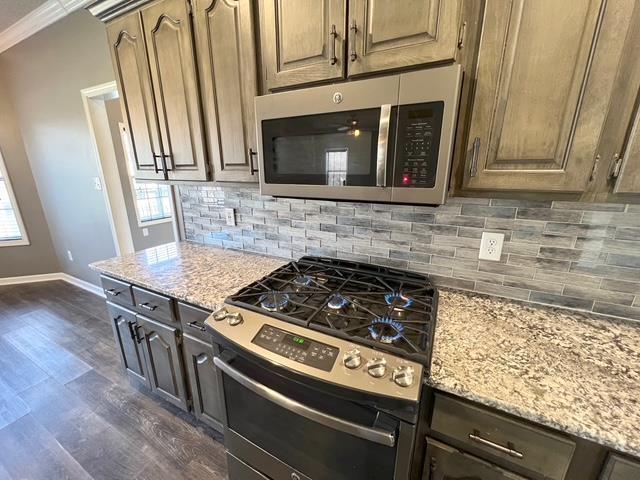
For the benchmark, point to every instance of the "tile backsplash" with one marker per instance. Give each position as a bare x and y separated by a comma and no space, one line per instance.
584,256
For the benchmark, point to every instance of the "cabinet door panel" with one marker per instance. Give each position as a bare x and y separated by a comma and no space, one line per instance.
173,72
226,57
131,353
400,33
129,57
203,381
620,468
164,363
629,178
297,41
538,109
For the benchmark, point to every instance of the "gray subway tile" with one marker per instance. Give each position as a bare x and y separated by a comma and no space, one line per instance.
477,232
617,219
542,239
434,229
604,207
356,257
511,224
633,208
428,268
561,300
508,202
411,237
410,256
321,235
320,218
395,244
482,211
342,229
391,225
617,310
549,214
620,286
607,245
320,251
389,262
371,233
636,303
564,277
456,241
468,201
598,295
520,248
413,217
609,271
623,260
537,262
337,210
502,291
459,283
571,254
470,253
371,250
504,269
477,275
579,230
627,233
433,249
536,285
354,221
459,220
460,263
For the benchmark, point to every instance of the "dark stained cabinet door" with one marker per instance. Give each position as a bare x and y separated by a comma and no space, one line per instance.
203,381
620,468
169,40
164,362
124,325
446,463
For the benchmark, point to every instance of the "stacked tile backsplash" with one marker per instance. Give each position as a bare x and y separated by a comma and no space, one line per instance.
584,256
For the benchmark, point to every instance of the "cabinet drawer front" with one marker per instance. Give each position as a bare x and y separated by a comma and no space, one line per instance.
192,321
620,468
238,469
153,305
518,443
117,291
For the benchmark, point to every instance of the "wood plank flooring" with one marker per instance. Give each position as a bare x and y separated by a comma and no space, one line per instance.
66,409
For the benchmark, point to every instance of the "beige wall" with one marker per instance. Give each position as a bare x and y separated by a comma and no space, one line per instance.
43,76
38,257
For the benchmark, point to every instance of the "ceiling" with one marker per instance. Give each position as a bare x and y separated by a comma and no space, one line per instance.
13,10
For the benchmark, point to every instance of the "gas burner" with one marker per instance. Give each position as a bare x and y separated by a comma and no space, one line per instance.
398,300
302,281
274,301
337,302
386,330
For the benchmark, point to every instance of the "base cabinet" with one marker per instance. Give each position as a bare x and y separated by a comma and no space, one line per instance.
124,325
446,463
203,381
620,468
163,360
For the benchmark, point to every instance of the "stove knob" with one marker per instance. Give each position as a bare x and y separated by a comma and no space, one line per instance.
403,376
352,359
377,367
220,314
234,319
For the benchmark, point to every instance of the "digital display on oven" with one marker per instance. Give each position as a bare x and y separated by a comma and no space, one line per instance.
299,342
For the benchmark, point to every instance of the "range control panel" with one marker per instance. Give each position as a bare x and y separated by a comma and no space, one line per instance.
295,347
418,144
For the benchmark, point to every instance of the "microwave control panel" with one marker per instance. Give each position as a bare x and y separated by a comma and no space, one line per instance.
298,348
418,144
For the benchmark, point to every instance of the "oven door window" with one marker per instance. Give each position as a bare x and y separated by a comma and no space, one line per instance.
316,450
334,149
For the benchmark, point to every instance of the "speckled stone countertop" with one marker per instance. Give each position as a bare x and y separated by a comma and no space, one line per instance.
573,372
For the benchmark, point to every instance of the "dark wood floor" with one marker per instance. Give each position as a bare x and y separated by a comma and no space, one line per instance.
66,409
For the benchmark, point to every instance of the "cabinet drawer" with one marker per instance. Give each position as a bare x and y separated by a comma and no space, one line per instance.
153,305
238,469
620,468
192,321
117,291
518,443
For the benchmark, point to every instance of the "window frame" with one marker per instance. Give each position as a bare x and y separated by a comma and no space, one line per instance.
24,238
128,152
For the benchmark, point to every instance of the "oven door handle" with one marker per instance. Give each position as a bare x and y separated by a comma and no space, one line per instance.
382,437
383,146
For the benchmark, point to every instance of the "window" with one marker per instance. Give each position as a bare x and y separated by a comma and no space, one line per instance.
152,200
336,161
12,230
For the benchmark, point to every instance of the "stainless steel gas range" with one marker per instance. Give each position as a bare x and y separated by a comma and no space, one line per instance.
322,365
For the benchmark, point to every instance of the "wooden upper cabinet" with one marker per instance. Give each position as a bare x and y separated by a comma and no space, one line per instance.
169,40
129,57
225,42
388,34
629,177
545,78
302,41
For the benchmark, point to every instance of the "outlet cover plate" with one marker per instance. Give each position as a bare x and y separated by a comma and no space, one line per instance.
230,215
491,246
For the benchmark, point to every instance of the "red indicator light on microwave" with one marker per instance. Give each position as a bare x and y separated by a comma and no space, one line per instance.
406,180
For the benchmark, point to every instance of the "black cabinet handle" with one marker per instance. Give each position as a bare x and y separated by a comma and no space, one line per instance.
197,326
113,292
155,163
333,34
252,154
353,30
148,307
138,338
132,332
509,449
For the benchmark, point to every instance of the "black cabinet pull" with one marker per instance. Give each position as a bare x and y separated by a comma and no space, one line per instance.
138,338
113,292
252,154
132,332
333,34
197,326
148,307
155,163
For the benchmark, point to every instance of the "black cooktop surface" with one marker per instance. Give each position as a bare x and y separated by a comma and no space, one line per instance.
385,308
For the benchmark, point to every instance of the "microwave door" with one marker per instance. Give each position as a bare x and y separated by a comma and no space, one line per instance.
341,155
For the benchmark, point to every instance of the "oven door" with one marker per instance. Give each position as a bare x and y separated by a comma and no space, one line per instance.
283,430
333,141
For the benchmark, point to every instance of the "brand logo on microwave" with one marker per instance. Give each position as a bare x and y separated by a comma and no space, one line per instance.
337,97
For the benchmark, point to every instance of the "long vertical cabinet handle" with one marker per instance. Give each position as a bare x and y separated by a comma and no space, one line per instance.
252,153
353,30
383,146
333,34
473,165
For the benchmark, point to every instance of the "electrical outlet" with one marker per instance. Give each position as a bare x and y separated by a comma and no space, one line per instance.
230,216
69,255
491,246
145,232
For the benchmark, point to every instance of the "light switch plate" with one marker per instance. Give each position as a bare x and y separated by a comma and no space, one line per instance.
97,184
491,246
230,216
145,232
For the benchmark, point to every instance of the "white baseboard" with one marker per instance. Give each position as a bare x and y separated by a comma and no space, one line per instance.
48,277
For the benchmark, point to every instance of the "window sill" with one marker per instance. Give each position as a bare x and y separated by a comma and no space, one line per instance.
151,223
14,243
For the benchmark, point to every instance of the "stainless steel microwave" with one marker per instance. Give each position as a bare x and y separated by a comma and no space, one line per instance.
387,139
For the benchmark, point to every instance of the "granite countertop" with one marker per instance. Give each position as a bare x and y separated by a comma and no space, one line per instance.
573,372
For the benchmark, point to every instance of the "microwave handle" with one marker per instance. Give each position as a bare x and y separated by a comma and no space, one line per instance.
383,145
367,433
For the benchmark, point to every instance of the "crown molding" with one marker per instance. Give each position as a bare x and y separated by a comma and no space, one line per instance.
41,17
